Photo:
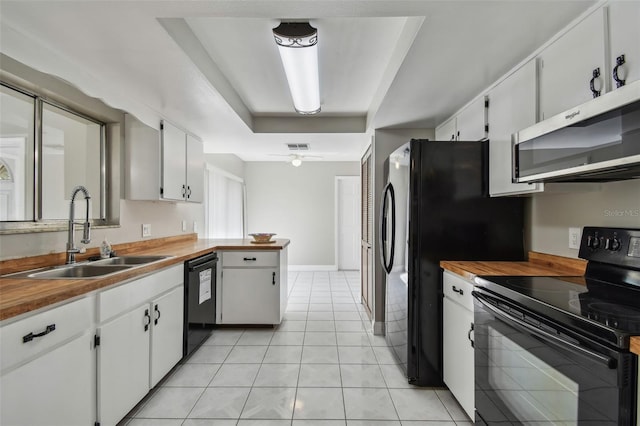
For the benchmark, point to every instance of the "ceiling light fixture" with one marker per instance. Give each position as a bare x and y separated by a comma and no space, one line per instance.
298,46
296,162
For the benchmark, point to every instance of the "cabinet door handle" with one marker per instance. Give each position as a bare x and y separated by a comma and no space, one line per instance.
188,191
155,322
29,337
460,291
619,81
595,74
184,190
250,259
148,318
471,327
273,278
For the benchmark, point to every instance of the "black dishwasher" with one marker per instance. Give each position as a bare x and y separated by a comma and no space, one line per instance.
199,301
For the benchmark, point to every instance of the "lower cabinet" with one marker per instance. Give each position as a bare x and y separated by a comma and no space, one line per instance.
251,296
140,331
253,287
47,362
458,360
51,390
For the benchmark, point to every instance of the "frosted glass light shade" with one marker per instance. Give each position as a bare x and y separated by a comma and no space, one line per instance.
297,45
296,162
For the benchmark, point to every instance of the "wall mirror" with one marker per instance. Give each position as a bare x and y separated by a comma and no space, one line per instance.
46,149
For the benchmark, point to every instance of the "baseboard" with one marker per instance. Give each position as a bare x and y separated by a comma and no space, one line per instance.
311,268
378,328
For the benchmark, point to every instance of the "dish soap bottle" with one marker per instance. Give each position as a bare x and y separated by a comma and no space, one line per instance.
105,249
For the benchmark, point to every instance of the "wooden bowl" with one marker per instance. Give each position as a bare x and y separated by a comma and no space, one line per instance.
262,237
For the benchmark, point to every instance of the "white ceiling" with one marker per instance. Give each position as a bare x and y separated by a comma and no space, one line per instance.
212,66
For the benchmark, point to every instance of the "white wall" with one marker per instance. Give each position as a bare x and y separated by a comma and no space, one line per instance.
228,162
297,203
616,204
165,219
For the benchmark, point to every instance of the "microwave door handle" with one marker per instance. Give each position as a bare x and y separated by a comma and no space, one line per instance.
514,157
546,336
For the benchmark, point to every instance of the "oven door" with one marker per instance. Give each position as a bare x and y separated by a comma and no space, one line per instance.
528,372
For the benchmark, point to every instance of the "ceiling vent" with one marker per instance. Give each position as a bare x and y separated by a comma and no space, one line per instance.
298,146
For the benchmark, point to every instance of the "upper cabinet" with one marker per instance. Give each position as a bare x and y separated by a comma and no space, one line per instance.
624,40
447,131
162,165
471,123
468,125
182,165
573,65
513,107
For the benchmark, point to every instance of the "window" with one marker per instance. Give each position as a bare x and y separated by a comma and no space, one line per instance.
225,205
47,149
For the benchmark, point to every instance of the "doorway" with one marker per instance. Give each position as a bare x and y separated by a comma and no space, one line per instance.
348,223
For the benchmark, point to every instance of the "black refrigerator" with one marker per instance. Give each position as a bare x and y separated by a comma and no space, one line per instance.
436,206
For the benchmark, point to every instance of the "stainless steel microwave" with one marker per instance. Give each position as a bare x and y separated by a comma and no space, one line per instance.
593,142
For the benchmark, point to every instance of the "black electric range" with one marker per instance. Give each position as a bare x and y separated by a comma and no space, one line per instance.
605,302
566,339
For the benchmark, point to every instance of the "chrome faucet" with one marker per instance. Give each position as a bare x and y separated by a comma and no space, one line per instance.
86,234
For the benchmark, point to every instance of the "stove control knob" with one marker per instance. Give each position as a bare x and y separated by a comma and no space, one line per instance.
589,240
615,244
595,243
607,244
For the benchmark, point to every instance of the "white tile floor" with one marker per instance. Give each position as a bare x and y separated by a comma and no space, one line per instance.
321,366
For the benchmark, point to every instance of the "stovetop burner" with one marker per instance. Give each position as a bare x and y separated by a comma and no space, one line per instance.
605,302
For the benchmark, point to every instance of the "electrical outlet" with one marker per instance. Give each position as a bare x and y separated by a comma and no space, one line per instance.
574,238
184,226
146,230
195,226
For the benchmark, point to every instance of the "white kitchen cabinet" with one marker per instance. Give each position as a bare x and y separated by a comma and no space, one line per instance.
140,331
251,296
182,165
41,375
471,122
253,287
123,364
624,38
458,352
53,389
447,131
195,170
513,108
566,66
162,165
166,333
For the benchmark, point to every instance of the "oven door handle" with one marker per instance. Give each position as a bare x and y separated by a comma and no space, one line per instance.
546,336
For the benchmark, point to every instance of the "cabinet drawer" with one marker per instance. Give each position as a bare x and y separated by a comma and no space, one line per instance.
69,320
249,258
133,293
458,289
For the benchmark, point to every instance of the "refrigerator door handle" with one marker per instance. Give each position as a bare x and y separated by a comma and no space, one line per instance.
388,195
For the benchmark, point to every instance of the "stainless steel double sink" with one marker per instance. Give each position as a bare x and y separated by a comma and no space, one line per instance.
95,269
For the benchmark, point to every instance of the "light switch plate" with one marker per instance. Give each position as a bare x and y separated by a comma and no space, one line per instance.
184,226
146,230
574,238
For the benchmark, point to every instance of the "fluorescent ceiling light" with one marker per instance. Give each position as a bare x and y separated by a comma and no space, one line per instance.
298,46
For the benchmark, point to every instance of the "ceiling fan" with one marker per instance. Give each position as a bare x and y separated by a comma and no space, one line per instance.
296,159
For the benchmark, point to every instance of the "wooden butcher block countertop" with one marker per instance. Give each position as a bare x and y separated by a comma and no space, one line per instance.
539,264
22,295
